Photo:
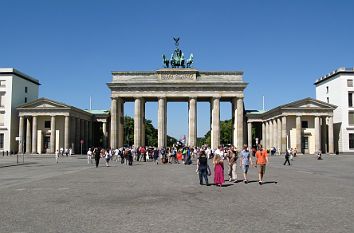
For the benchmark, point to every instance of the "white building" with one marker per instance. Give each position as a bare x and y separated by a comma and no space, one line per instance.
15,88
305,125
337,88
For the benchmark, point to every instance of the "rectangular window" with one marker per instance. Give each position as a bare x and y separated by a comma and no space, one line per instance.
2,119
1,141
350,83
304,124
2,83
327,90
25,99
2,99
327,100
26,89
351,141
350,99
351,118
47,124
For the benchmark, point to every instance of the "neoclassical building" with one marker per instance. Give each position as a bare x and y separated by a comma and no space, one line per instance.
47,125
176,84
306,125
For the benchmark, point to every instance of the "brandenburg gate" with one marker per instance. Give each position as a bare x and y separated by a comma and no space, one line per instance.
176,82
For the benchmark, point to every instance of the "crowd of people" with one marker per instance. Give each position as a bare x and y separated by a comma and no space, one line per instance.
223,156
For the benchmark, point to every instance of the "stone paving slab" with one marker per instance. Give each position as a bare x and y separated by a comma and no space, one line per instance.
309,196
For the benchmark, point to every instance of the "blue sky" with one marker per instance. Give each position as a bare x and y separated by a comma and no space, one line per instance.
282,46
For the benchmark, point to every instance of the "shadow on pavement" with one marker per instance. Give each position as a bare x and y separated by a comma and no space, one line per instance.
19,164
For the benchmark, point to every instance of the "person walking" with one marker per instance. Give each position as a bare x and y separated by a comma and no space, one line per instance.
89,156
96,152
203,168
156,155
107,156
287,156
262,160
218,171
231,156
245,162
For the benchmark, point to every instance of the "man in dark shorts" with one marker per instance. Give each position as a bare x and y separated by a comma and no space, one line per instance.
262,160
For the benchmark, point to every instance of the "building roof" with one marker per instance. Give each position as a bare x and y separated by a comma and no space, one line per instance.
45,103
303,104
341,70
19,74
98,112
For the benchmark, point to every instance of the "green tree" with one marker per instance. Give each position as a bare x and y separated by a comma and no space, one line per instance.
225,134
150,133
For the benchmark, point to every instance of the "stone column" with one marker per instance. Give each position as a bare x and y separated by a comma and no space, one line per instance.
267,135
113,142
28,136
82,132
34,135
21,134
240,138
137,122
234,121
283,135
104,131
215,131
271,141
66,132
72,134
330,136
192,122
263,142
142,140
249,134
120,119
90,134
52,135
317,134
298,134
279,134
77,135
161,122
324,135
275,133
85,136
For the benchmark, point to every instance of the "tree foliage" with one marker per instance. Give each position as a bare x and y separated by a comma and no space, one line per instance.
150,133
225,134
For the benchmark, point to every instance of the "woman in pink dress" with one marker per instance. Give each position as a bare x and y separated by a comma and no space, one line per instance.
218,170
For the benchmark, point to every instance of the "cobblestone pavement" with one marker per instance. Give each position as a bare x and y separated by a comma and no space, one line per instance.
71,196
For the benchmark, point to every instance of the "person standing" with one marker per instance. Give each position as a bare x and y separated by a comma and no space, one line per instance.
231,156
287,156
89,156
156,155
203,168
245,162
96,152
218,171
57,154
262,160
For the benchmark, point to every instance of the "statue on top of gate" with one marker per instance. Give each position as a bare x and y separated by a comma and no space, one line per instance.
177,58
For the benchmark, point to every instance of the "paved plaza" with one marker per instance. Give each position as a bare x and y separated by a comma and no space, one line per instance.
42,196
